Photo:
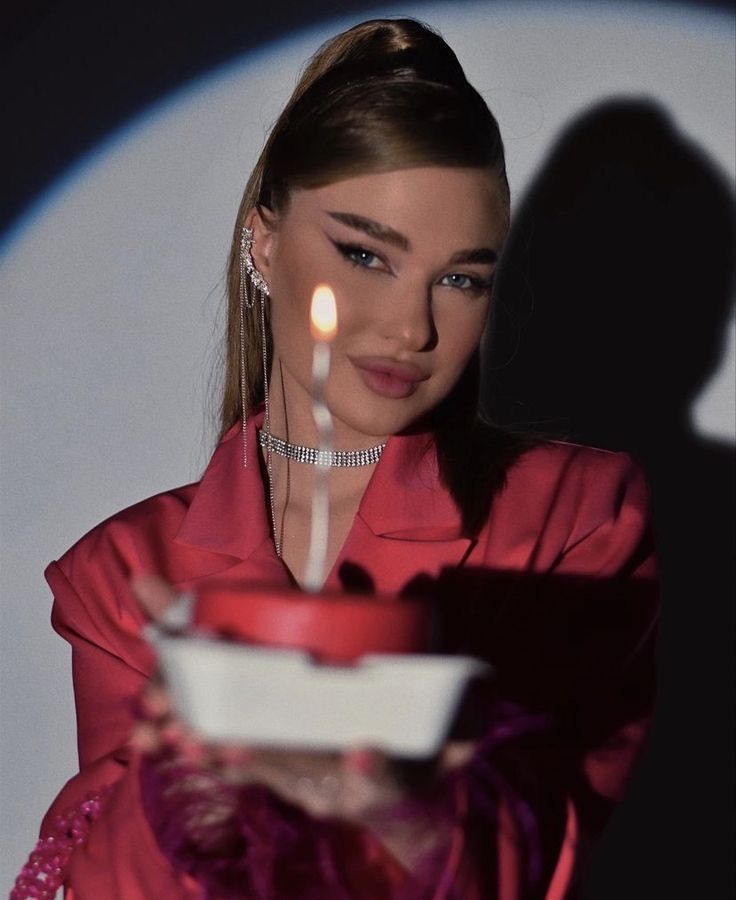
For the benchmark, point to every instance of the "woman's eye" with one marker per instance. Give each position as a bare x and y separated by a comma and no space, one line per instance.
467,283
360,256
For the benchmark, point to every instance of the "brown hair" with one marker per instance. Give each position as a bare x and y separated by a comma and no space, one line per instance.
385,95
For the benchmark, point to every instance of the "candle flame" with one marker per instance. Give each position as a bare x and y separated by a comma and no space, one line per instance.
323,315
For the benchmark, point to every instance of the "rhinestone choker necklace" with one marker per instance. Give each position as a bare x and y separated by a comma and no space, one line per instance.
315,457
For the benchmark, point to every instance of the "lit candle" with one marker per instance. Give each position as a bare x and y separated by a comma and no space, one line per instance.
323,320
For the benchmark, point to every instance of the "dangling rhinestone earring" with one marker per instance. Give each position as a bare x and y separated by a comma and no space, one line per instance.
249,272
252,286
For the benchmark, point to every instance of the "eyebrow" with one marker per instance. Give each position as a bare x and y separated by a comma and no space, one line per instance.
482,255
373,229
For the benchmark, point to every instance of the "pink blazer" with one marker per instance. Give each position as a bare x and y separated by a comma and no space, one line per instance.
566,511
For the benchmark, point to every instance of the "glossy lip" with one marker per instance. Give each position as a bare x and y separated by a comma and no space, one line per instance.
387,377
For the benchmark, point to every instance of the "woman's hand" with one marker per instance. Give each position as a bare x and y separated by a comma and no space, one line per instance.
359,785
342,784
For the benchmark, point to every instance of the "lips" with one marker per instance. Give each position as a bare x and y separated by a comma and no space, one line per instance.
387,377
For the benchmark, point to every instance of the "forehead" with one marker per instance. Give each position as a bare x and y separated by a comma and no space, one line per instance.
449,207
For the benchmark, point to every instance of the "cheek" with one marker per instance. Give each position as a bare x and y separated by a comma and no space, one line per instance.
460,335
291,291
290,329
299,270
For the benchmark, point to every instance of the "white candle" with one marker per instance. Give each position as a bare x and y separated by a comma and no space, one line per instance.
323,319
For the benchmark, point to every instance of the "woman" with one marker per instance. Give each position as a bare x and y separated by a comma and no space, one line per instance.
384,177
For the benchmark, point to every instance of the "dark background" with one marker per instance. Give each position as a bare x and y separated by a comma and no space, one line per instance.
72,72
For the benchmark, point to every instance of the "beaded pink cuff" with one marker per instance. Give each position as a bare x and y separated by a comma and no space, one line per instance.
44,873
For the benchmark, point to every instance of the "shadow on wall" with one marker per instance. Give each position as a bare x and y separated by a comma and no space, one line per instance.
611,307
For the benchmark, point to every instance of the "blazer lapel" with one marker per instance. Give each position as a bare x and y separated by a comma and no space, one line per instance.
407,523
227,522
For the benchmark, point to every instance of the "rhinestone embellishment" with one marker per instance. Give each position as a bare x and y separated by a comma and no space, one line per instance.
247,264
314,457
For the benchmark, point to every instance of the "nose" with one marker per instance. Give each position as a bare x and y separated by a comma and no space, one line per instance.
411,323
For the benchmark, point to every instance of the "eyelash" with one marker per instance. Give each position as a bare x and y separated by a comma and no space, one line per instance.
352,253
476,286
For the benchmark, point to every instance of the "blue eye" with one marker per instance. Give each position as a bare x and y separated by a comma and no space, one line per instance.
359,256
466,283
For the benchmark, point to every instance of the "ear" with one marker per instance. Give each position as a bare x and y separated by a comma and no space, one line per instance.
265,238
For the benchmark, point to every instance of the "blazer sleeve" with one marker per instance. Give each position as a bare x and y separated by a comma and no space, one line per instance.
612,634
95,611
594,643
569,626
613,622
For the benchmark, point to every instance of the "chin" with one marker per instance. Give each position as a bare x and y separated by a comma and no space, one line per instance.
382,419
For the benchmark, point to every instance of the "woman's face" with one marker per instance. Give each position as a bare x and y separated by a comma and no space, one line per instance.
410,256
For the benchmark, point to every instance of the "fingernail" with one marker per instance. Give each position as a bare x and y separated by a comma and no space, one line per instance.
145,738
155,703
172,734
235,756
362,760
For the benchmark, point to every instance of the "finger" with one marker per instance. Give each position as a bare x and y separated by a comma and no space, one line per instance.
363,761
189,748
367,780
155,703
457,754
235,755
154,594
146,737
232,757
